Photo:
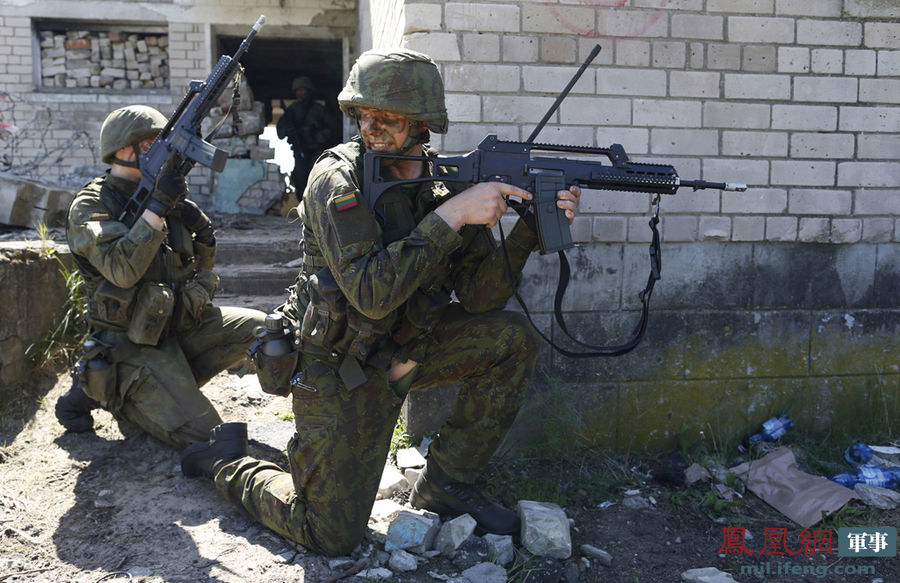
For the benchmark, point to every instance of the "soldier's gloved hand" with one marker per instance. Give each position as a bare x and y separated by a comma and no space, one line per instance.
197,222
170,188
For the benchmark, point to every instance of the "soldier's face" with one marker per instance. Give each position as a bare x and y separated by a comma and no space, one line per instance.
382,131
144,145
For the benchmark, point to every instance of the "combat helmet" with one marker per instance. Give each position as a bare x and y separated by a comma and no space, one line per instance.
302,82
127,126
400,81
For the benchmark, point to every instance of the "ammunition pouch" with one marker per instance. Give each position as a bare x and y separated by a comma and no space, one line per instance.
195,295
153,308
111,304
335,327
325,318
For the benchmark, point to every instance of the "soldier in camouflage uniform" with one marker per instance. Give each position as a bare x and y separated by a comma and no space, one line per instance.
373,307
308,129
155,336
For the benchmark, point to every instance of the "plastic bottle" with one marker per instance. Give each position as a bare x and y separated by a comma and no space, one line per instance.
773,429
858,453
848,480
878,476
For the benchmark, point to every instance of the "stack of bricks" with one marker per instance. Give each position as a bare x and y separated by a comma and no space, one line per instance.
240,138
101,59
247,153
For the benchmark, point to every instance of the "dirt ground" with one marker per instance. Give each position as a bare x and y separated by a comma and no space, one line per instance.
113,505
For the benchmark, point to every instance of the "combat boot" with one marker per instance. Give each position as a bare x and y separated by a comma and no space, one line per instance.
227,442
73,409
438,492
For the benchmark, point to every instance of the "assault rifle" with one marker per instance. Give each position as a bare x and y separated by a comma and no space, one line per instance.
513,163
179,144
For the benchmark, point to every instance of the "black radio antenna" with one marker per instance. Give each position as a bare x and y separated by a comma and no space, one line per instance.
559,100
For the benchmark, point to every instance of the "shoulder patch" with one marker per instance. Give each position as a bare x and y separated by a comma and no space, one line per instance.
345,202
98,217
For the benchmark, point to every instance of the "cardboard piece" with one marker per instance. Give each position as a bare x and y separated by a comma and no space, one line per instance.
800,496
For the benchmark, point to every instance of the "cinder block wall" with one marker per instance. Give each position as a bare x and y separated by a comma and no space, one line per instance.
797,99
191,27
780,298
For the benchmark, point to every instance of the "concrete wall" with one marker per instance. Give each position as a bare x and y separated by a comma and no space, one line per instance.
783,297
32,291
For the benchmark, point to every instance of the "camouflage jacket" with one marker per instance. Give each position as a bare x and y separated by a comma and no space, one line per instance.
306,126
115,260
373,282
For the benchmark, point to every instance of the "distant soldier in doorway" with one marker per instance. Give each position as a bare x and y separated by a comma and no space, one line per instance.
308,129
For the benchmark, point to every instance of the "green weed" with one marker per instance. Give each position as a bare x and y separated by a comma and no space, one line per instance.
400,439
284,415
68,333
583,479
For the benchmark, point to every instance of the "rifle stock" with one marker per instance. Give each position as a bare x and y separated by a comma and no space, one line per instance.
180,144
513,163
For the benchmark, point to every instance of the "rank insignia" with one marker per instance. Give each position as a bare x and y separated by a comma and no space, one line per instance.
345,202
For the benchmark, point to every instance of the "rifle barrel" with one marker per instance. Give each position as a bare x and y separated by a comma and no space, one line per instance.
701,184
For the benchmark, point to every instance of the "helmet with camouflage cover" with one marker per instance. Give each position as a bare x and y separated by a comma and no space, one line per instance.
127,126
400,81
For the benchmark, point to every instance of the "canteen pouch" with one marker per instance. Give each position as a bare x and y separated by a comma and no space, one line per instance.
100,380
154,305
275,372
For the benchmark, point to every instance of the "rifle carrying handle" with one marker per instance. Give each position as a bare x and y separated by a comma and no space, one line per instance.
552,224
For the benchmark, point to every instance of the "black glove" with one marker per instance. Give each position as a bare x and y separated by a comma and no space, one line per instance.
170,188
197,222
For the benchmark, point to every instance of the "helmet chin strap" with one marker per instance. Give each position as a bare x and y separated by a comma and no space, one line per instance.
415,138
130,163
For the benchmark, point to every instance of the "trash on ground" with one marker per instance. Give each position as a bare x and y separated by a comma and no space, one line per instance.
772,429
802,497
875,474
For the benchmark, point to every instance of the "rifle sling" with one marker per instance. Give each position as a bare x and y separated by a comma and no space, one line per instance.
564,273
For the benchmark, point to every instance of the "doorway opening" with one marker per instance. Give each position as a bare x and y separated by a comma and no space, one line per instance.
271,65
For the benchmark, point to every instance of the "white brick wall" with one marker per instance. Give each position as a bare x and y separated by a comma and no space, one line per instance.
801,99
788,95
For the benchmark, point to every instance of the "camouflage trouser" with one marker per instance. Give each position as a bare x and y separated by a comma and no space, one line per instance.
159,386
343,437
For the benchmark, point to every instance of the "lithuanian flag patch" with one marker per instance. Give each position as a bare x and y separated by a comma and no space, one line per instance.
98,217
347,201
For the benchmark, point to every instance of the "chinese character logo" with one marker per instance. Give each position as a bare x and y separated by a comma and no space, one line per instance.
733,542
867,541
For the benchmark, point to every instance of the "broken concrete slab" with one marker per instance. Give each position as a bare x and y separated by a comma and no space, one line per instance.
28,203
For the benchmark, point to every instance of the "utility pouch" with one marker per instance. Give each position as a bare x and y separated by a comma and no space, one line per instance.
275,372
112,303
154,306
101,380
96,374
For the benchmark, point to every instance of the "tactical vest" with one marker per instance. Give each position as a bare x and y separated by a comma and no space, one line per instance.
330,327
110,307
